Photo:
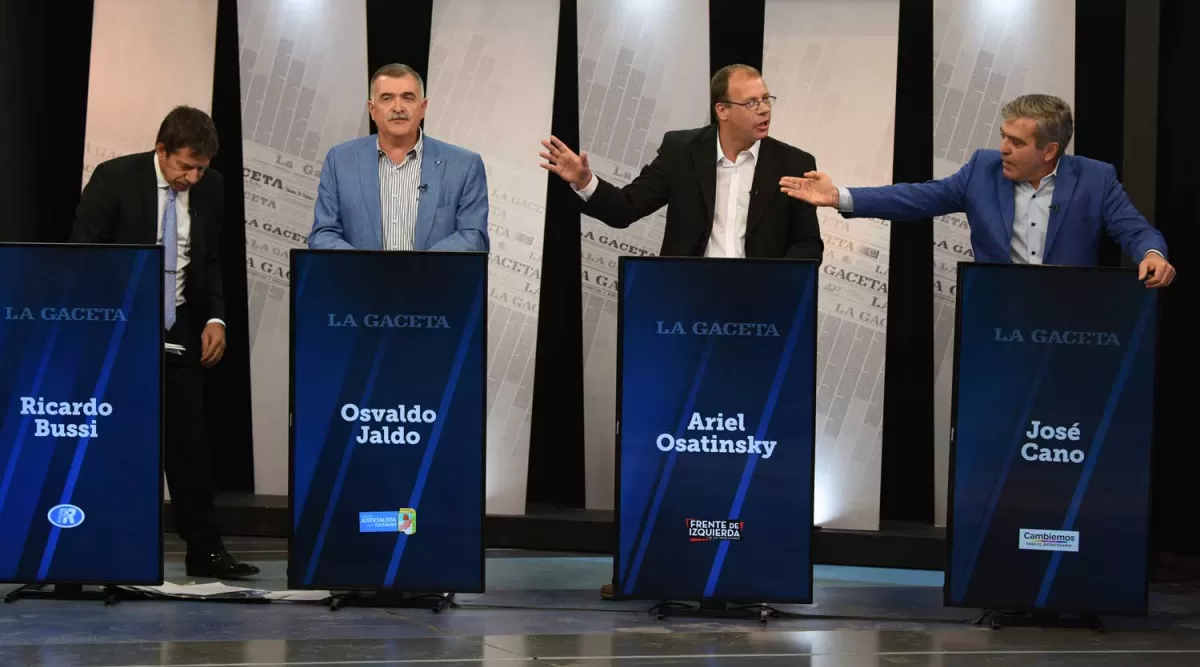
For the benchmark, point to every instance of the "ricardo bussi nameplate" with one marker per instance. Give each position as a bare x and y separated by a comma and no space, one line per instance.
388,397
81,353
716,427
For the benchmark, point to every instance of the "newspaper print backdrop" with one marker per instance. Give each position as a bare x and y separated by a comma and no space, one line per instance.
304,90
985,53
132,77
832,64
132,84
491,90
643,70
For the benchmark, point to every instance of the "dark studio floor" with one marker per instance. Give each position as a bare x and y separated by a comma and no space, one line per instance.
546,609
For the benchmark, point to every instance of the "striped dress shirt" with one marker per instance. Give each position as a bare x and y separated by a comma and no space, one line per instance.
399,189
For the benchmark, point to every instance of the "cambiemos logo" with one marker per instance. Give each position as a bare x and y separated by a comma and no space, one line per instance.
1037,539
401,521
704,530
65,516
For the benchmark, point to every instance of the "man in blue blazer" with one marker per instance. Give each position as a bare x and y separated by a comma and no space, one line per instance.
400,189
1026,203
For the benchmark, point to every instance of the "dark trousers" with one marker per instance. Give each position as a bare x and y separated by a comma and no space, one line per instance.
187,458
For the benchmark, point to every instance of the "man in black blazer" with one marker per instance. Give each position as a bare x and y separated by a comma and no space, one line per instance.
719,183
170,196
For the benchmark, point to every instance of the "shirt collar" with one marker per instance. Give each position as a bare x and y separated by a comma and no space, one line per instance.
158,175
753,150
416,149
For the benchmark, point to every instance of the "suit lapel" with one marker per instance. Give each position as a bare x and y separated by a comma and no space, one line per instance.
368,166
1064,188
704,158
148,222
766,172
1006,191
432,165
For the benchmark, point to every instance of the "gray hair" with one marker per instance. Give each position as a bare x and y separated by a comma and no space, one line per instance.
395,71
1052,114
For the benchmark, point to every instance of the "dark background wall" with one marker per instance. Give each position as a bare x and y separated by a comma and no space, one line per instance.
1134,57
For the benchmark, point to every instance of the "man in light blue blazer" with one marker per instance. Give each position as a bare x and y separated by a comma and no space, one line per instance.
400,189
1026,203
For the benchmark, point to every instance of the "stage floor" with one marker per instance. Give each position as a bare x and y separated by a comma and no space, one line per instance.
546,609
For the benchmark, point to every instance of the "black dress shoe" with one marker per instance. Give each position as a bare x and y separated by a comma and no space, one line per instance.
218,565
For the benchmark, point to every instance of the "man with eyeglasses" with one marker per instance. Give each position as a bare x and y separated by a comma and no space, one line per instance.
400,189
719,183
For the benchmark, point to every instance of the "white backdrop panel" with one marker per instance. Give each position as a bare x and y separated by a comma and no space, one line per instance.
491,90
643,70
832,63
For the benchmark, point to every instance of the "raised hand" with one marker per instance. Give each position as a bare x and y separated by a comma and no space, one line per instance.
814,187
562,161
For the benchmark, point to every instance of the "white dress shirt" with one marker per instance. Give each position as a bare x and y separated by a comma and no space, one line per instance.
399,195
732,206
1031,218
183,232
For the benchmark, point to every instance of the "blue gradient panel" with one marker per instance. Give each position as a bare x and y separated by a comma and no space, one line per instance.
81,343
372,332
730,343
1068,530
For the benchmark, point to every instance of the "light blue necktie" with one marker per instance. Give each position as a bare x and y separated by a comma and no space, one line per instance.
170,243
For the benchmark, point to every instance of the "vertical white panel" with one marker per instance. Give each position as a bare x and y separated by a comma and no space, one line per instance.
643,70
304,89
832,63
985,53
491,90
148,57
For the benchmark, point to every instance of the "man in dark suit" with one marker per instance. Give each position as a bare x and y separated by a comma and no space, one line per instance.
170,196
719,183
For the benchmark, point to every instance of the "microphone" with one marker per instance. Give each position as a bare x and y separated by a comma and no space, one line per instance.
423,187
1053,207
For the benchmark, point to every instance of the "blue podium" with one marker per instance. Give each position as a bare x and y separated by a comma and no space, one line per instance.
81,377
715,430
1052,424
388,405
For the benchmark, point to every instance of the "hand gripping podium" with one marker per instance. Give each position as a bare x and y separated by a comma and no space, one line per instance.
388,408
81,376
715,431
1051,442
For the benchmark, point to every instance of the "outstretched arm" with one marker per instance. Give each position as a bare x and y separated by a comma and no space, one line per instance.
615,207
902,201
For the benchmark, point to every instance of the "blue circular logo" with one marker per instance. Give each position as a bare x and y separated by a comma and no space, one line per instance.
65,516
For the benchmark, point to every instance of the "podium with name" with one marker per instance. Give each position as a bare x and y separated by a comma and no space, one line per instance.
715,431
81,376
388,410
1052,421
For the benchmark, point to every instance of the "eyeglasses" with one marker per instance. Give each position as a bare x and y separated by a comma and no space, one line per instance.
751,105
